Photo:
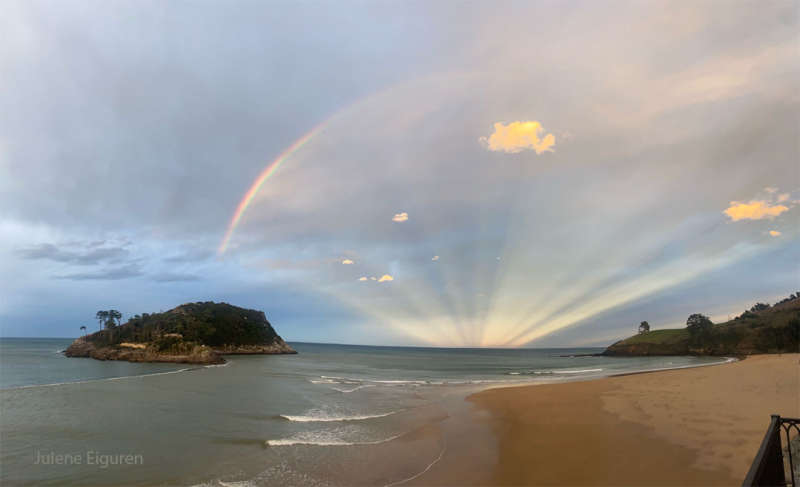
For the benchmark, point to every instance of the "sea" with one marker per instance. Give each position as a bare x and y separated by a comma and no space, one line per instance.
332,415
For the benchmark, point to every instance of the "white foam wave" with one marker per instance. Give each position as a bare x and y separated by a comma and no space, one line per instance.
541,375
101,380
300,440
557,371
323,381
227,363
584,371
347,391
690,366
322,418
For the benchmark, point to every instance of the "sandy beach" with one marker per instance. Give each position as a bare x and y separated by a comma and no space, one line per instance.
699,426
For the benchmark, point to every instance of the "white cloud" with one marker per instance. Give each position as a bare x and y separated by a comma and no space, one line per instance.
386,277
400,217
754,210
362,278
775,233
435,258
347,262
518,136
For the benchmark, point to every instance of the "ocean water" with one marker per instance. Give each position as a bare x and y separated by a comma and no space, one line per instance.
331,415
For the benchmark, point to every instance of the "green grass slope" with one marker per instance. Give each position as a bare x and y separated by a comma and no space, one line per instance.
762,329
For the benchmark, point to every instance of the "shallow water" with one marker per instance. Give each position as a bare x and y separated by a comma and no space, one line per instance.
331,415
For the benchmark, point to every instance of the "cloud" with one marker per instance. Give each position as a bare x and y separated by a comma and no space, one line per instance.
93,256
362,278
435,258
174,277
386,277
771,189
190,256
754,210
783,197
775,233
400,217
373,278
111,274
518,136
347,262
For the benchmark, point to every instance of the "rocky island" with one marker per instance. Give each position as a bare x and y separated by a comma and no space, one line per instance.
761,329
195,333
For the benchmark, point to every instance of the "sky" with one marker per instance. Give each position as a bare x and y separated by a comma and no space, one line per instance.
500,174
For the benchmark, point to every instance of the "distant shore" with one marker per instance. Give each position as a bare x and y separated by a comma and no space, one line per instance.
695,426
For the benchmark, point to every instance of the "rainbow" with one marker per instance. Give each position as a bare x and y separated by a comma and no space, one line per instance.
276,163
261,179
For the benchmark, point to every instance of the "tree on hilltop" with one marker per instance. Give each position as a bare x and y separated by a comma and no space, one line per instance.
108,318
644,327
699,327
102,317
114,318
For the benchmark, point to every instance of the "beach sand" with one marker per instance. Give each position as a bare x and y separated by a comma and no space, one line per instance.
699,426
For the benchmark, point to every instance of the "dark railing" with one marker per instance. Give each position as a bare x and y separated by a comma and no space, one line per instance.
771,467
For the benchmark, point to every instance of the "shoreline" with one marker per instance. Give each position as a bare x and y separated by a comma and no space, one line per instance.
698,425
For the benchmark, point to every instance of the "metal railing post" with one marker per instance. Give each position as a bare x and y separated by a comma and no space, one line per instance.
767,468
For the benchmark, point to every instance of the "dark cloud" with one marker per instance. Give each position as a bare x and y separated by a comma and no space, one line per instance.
195,255
106,274
93,255
174,277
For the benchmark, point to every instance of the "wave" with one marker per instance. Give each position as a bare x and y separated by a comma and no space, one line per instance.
31,386
554,372
299,440
551,374
354,389
325,379
328,379
689,366
310,419
227,363
584,371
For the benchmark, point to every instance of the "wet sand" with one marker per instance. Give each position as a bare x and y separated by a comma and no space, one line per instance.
699,426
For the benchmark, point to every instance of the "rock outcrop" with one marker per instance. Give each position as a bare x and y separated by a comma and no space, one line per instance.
278,346
194,333
196,354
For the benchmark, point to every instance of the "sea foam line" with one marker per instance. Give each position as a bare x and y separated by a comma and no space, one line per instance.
227,363
310,419
300,441
347,391
326,379
568,371
441,454
100,380
690,366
